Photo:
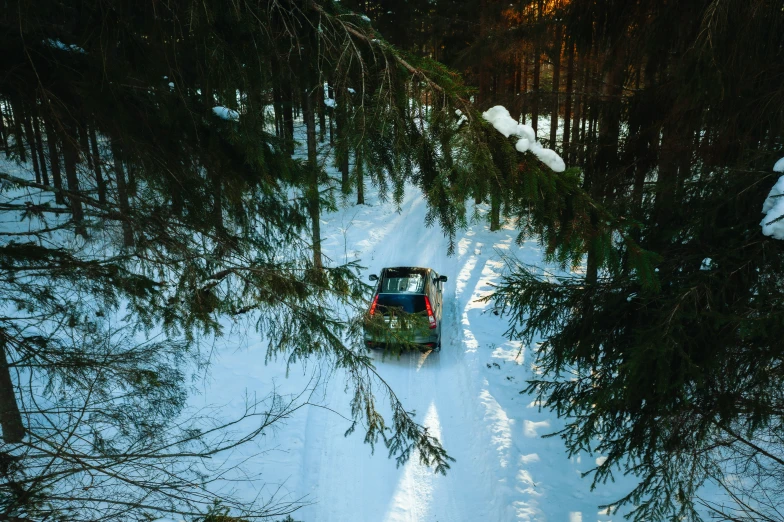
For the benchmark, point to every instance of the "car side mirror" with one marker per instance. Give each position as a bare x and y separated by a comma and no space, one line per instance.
442,279
373,277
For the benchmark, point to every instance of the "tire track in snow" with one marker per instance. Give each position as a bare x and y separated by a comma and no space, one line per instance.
437,386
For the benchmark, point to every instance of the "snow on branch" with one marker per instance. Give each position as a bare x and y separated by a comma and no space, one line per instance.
773,207
499,117
226,113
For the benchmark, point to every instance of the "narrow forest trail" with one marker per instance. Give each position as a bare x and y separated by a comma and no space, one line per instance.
468,395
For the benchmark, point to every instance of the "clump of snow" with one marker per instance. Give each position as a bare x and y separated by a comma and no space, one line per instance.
503,122
352,91
329,102
171,85
522,145
460,117
65,47
226,113
707,264
365,18
548,156
773,207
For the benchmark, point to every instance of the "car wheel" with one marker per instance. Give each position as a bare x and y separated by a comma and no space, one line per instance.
438,346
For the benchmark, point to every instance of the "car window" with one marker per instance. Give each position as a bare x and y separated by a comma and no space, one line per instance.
394,283
409,303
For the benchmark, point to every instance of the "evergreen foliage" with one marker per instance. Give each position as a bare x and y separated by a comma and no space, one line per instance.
161,206
671,367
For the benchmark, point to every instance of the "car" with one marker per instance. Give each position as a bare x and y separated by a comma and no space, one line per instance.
410,301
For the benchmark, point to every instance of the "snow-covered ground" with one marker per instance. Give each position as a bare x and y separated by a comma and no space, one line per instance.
468,395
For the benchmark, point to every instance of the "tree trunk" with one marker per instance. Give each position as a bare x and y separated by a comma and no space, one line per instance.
342,148
122,195
360,178
39,147
97,167
556,108
322,109
10,417
312,191
568,100
84,145
28,128
484,62
495,210
578,108
54,160
4,131
19,143
71,158
524,96
537,73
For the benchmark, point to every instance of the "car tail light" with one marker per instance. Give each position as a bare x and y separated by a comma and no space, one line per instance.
373,306
430,316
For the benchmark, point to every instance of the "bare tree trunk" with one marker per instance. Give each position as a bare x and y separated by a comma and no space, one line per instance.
314,207
4,131
556,108
360,178
537,73
54,160
28,127
524,96
17,116
321,113
10,417
84,146
342,150
568,100
71,158
332,118
495,210
39,147
97,167
122,195
484,62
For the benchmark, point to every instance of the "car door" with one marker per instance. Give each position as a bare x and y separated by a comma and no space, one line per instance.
437,295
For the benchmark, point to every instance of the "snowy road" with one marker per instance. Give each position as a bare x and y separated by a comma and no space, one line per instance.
468,395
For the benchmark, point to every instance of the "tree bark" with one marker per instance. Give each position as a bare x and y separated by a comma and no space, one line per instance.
54,160
10,417
537,73
17,117
39,147
4,131
312,190
321,113
556,108
28,128
568,100
71,158
342,149
484,62
122,194
360,178
97,167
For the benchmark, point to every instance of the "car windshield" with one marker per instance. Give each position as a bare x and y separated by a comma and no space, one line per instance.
398,281
409,303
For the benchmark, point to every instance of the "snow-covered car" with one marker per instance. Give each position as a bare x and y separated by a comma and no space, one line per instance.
410,301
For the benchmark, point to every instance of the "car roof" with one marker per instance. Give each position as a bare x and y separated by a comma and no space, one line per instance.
409,269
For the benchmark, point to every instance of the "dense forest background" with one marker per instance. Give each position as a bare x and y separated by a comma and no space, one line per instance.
161,139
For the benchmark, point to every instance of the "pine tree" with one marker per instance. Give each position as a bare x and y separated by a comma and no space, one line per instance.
670,368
